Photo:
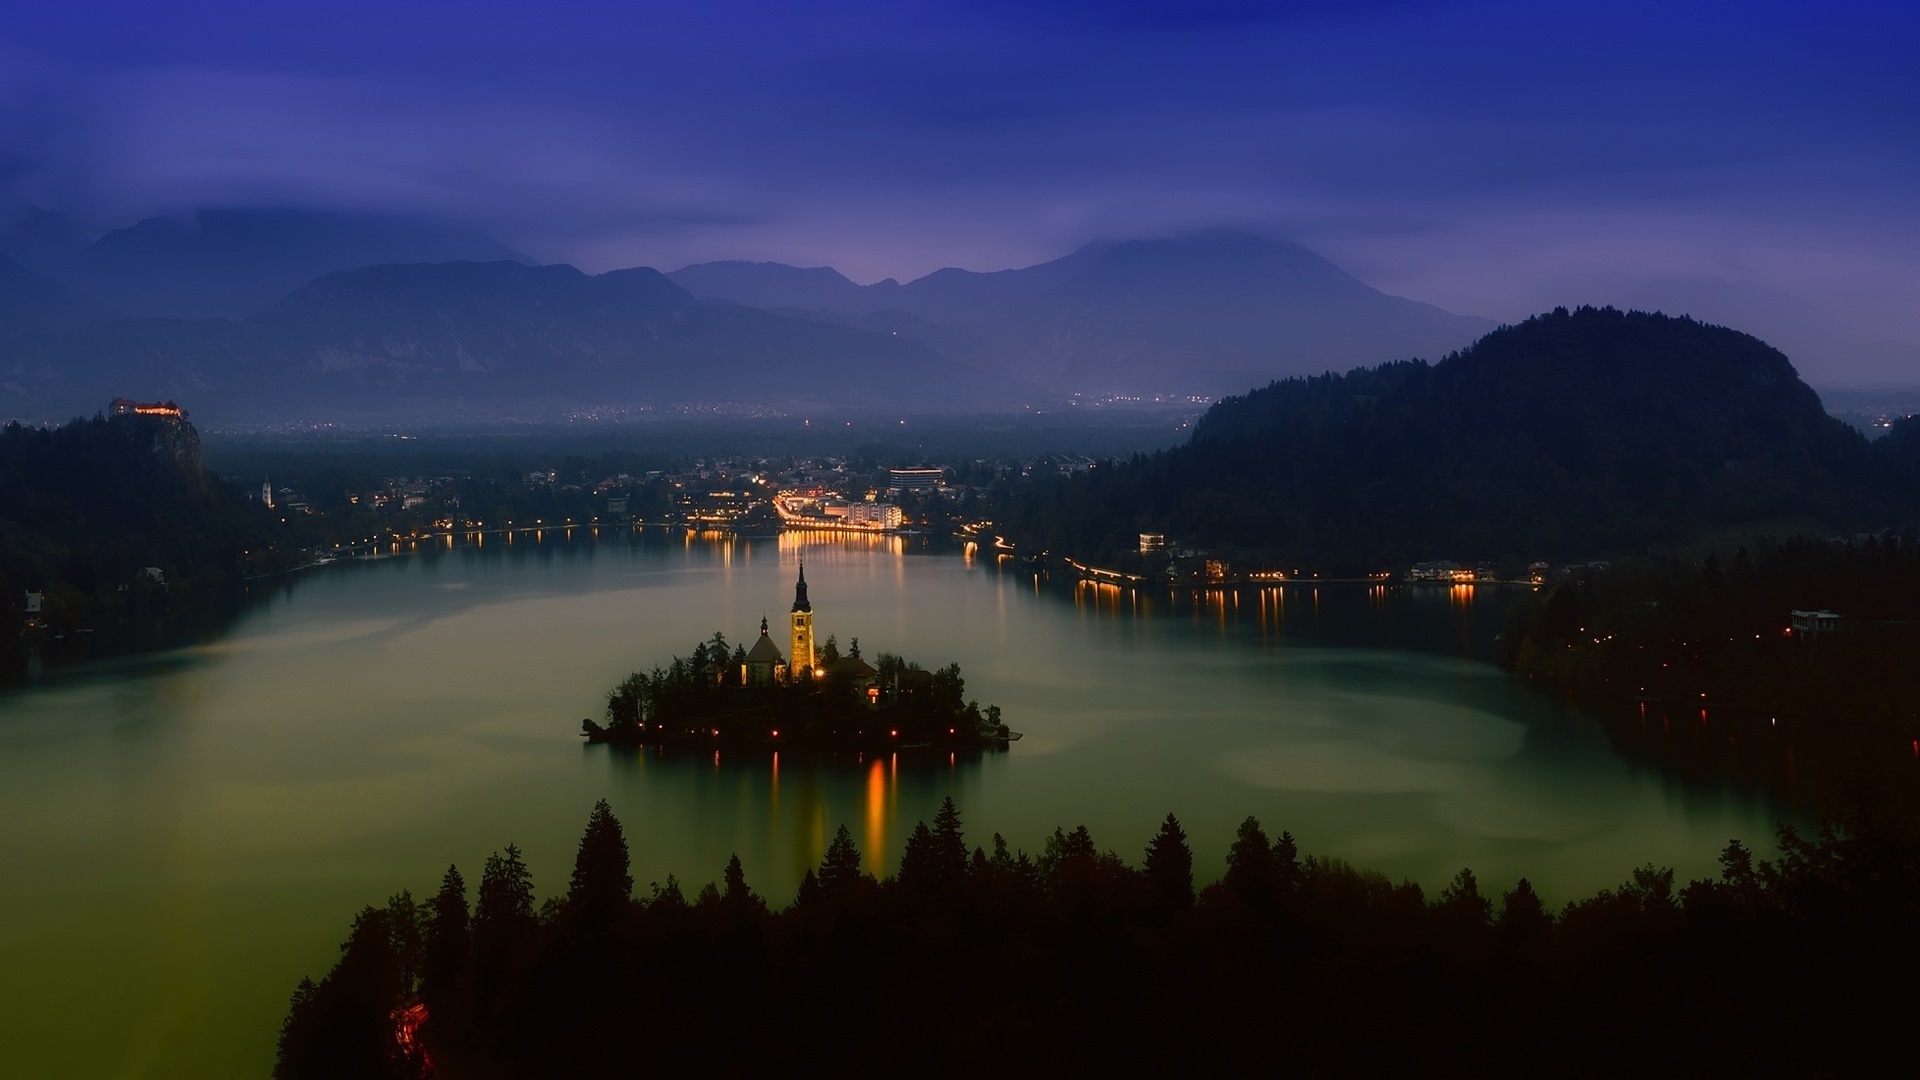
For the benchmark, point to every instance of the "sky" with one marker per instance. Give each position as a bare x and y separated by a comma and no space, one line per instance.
1753,163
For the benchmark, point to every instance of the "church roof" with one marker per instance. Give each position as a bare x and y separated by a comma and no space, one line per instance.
851,666
764,651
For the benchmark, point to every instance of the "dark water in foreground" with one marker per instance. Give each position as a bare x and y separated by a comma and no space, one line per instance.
188,833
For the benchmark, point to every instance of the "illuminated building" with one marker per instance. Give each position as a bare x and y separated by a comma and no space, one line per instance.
800,664
129,407
914,479
874,515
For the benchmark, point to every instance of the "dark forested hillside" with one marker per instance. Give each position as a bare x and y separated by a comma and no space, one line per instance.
85,509
1574,433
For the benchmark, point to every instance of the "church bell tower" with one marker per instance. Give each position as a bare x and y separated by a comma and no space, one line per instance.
800,656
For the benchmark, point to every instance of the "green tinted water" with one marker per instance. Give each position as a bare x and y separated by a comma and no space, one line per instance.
188,834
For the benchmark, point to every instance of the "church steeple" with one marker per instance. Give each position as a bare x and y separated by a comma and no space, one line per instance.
800,602
800,656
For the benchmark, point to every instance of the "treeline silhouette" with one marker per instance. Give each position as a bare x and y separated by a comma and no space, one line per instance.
1570,435
1073,960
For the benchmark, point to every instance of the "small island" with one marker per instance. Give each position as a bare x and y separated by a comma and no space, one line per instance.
815,700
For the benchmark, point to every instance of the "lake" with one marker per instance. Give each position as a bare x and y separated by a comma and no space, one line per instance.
187,833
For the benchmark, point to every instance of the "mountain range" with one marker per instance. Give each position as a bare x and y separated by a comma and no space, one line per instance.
465,340
1212,312
260,315
229,262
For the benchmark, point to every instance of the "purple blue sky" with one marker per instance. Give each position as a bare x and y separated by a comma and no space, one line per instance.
1753,163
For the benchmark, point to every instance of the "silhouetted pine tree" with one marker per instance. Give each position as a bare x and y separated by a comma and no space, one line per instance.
841,866
602,885
949,847
505,908
810,891
1286,857
1253,872
447,939
737,894
1523,915
1170,864
919,864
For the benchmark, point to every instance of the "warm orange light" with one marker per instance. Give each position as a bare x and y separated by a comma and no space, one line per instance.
895,733
776,733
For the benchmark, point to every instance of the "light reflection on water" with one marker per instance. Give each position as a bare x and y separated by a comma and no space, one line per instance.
202,824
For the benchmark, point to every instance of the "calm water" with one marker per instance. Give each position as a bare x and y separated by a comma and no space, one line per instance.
188,834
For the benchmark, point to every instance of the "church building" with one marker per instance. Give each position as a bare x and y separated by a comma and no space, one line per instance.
764,665
800,664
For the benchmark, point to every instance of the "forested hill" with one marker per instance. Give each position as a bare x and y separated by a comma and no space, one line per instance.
1572,434
86,508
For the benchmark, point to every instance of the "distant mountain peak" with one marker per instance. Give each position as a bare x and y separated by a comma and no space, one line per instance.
234,261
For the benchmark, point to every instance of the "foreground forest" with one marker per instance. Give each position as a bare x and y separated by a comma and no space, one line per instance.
1077,961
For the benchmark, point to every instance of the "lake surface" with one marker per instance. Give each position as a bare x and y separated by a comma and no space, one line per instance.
188,833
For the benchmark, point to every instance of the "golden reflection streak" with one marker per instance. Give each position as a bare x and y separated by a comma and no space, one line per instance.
798,541
876,817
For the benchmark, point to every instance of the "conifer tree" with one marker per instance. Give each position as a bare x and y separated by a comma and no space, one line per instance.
919,867
810,890
1002,859
841,866
602,884
1523,914
1252,870
668,897
447,937
1286,857
1170,864
505,907
737,894
949,846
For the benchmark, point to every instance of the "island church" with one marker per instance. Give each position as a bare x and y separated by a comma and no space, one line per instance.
764,666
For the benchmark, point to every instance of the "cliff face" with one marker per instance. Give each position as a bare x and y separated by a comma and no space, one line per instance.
164,440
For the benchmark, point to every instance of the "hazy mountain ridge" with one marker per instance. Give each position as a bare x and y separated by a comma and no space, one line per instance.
1571,434
33,303
1214,311
492,339
238,262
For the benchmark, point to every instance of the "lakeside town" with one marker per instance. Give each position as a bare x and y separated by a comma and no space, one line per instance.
758,496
